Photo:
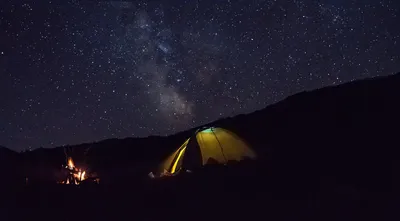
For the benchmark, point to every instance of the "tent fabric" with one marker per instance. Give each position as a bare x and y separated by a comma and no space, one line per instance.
171,160
216,145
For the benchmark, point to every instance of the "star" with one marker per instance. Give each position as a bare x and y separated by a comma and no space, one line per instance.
80,71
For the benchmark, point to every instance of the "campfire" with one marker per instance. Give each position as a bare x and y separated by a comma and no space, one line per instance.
75,175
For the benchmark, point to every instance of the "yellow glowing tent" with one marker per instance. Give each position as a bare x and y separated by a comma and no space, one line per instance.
206,145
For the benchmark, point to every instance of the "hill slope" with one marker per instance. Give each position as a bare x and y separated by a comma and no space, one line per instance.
347,131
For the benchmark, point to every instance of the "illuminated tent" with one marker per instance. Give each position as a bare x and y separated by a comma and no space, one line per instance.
207,145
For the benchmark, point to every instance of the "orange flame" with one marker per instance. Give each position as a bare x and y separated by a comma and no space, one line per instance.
71,164
78,174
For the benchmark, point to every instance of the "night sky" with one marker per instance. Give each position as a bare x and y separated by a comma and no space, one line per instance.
82,71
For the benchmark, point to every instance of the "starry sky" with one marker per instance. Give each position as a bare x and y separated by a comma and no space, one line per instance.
80,71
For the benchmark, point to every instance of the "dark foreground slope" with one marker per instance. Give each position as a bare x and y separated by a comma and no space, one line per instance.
329,154
350,131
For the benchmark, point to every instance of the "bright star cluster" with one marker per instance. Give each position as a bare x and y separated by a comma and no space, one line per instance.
81,71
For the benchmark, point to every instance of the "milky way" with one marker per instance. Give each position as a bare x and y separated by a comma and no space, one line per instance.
82,71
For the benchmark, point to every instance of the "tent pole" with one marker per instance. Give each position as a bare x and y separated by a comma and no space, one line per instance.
220,146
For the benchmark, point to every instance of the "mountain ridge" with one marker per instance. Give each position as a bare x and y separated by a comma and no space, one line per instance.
341,128
267,108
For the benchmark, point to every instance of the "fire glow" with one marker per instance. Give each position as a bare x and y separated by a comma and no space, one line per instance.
76,175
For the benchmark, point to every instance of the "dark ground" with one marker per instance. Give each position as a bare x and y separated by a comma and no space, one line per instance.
210,195
329,154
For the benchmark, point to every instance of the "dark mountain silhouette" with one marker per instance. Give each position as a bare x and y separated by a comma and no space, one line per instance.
5,152
332,151
10,166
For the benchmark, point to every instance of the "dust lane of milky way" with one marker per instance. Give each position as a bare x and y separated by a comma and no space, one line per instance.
82,71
